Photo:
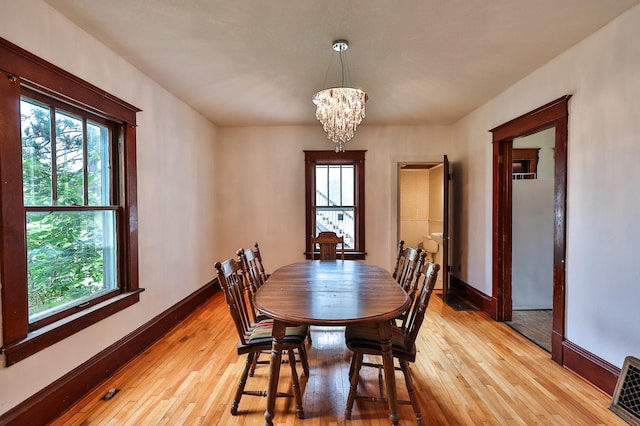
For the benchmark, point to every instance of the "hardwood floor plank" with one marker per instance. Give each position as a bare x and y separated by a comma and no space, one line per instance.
469,370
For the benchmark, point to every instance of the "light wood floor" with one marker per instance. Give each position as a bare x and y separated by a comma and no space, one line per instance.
469,371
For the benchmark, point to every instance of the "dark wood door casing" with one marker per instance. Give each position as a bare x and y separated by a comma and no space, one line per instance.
554,114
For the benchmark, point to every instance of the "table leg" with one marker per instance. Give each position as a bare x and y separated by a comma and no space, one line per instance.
278,332
384,331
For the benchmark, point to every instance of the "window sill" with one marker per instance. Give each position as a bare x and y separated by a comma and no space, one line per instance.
59,330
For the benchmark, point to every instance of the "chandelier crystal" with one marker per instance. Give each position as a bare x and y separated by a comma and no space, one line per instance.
340,109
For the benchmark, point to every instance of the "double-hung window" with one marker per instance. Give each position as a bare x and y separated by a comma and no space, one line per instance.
335,198
68,182
68,215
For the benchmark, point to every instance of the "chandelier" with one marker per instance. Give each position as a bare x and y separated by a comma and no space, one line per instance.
340,109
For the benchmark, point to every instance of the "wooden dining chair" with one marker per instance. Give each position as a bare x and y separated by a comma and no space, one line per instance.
405,266
256,337
256,276
254,280
363,340
327,244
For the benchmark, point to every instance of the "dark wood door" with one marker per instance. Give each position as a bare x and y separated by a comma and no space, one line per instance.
445,229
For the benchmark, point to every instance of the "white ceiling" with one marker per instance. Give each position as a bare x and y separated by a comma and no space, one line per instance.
258,62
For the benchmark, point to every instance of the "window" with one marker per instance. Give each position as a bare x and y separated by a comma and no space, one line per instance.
68,204
70,217
335,198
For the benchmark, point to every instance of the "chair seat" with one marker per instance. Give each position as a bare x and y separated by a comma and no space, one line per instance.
262,334
366,339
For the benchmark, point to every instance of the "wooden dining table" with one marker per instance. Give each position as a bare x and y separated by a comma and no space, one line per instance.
327,293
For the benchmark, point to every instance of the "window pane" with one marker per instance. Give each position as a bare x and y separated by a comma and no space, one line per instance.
322,190
335,184
333,200
69,160
98,164
71,256
35,122
347,186
340,221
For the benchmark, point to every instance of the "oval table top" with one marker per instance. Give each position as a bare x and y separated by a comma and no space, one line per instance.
321,292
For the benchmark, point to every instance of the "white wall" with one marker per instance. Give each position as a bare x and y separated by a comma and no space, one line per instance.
603,274
261,175
532,247
532,227
471,198
175,190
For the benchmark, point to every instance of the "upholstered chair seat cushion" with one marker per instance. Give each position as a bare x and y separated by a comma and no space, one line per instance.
262,334
367,338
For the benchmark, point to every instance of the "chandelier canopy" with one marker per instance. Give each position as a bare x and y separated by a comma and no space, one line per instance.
340,109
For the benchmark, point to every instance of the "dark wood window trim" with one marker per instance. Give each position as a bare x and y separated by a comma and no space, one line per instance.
20,69
331,157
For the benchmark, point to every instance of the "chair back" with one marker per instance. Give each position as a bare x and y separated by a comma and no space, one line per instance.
252,264
413,286
258,255
254,274
231,277
426,277
328,243
405,266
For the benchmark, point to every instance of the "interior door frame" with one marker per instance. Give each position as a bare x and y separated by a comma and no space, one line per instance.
444,271
554,114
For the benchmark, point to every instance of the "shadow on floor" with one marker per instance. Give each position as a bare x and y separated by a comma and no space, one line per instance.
458,303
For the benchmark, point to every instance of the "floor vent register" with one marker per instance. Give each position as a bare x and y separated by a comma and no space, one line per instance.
626,398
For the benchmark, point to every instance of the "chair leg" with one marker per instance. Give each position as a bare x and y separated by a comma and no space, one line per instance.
309,335
354,377
296,384
254,364
304,359
351,366
404,366
242,383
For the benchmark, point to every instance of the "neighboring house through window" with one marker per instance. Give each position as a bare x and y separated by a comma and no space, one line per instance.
335,198
68,203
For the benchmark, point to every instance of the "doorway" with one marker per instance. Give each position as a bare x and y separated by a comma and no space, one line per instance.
423,212
532,236
553,115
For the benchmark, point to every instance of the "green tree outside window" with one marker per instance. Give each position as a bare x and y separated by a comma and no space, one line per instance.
71,239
